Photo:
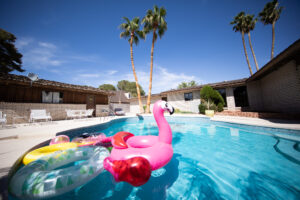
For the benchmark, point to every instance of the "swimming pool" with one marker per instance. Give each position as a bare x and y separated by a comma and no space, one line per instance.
212,160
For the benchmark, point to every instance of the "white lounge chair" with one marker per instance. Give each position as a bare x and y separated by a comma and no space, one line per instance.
71,114
2,118
89,112
39,114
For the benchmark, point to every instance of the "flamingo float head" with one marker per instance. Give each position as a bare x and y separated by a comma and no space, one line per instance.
161,106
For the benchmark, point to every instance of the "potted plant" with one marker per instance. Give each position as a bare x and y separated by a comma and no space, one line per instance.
210,98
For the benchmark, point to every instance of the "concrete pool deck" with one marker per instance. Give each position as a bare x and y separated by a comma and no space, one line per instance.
15,140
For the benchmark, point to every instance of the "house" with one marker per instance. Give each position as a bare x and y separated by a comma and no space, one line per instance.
18,95
188,99
120,99
276,86
272,92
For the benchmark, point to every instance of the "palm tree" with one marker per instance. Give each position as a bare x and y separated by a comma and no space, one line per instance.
250,25
270,15
154,21
131,31
240,26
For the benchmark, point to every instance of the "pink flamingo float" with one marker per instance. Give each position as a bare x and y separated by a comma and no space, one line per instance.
133,157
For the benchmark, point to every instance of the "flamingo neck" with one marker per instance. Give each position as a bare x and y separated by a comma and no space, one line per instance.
165,133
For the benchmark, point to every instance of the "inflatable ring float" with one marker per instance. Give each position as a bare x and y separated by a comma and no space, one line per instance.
42,179
43,151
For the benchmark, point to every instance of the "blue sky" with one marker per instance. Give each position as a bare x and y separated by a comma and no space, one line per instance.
78,42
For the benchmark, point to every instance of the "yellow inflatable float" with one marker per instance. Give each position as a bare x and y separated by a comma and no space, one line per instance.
43,151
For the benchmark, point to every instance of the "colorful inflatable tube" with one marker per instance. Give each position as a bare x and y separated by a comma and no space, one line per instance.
41,178
40,152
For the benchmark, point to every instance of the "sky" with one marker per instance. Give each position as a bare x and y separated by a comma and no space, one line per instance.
77,41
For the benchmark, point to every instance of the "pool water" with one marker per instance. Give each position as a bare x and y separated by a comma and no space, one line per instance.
212,160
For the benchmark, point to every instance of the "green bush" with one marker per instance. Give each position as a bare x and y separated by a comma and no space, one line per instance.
213,107
210,98
220,107
202,108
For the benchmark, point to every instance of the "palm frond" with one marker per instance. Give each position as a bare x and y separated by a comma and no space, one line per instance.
125,34
155,9
126,19
141,34
135,40
162,12
270,13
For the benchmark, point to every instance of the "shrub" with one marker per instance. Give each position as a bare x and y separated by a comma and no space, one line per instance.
202,108
220,107
212,98
213,107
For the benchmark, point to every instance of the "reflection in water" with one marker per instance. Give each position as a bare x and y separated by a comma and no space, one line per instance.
286,155
155,188
234,132
211,130
195,183
261,186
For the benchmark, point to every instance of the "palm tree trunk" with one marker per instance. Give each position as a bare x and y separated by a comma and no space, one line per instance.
252,51
135,77
273,40
243,38
151,69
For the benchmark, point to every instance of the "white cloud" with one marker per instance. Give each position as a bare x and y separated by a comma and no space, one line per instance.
163,79
23,42
47,45
40,55
112,72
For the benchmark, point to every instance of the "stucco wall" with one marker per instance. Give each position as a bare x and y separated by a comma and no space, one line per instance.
279,91
230,99
100,108
57,111
125,107
134,105
254,96
178,102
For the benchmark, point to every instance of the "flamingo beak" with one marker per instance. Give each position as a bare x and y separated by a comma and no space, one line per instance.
171,109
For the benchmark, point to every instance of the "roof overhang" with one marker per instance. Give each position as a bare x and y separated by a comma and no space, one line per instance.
290,53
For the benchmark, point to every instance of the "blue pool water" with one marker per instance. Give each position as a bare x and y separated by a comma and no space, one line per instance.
212,160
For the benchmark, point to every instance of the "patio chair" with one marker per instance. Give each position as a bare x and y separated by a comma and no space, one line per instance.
70,114
89,113
2,118
39,114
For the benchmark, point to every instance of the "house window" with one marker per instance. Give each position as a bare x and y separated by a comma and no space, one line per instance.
240,96
52,97
223,94
164,98
188,96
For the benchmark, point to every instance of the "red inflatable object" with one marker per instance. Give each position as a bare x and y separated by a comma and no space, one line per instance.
119,139
135,171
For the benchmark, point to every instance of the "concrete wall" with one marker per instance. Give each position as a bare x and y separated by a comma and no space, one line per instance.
57,111
230,99
278,91
125,107
178,102
255,96
100,108
134,105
